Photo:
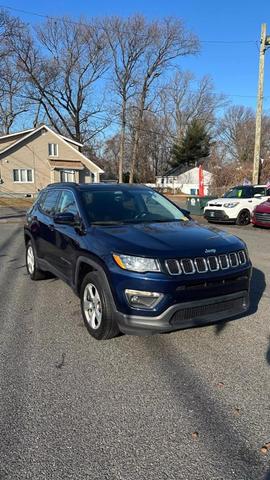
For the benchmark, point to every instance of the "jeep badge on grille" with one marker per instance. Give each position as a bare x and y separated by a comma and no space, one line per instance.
210,250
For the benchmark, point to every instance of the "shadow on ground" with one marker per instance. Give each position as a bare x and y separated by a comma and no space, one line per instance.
267,356
257,287
215,426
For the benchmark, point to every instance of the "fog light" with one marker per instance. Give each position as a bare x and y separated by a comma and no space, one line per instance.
140,299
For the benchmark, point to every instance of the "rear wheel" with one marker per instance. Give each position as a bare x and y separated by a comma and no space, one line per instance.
243,217
97,309
31,263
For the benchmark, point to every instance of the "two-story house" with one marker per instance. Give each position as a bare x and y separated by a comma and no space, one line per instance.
31,159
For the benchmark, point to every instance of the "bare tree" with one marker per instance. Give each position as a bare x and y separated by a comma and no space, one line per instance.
127,43
154,149
12,83
62,67
183,99
237,133
168,40
9,26
12,101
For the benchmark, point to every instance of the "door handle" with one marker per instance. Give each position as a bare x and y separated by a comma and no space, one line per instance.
51,227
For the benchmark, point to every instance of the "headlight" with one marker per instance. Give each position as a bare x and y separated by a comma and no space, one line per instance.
137,264
231,204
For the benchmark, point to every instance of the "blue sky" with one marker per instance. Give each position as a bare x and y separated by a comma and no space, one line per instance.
233,66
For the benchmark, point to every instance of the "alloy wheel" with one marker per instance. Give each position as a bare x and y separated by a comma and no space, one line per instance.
92,306
244,218
30,260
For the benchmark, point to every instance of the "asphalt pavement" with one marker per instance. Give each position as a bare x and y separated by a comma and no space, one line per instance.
11,213
191,405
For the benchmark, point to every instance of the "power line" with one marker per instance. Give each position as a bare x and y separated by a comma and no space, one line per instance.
74,22
228,41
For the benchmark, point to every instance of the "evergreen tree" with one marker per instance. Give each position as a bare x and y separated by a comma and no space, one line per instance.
194,146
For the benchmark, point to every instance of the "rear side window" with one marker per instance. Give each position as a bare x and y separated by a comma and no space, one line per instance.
259,190
50,202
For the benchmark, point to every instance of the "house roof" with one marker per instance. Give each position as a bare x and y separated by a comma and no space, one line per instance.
30,133
70,140
16,134
174,172
24,132
74,165
180,169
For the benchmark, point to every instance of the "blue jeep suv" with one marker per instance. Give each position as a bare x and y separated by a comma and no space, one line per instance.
135,259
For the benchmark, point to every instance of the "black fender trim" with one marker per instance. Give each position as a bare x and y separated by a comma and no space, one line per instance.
27,234
97,265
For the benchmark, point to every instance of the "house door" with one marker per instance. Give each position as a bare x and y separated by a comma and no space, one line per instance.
67,175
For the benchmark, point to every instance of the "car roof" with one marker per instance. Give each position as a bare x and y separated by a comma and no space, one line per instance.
98,186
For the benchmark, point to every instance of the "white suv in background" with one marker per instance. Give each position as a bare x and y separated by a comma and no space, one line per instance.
237,204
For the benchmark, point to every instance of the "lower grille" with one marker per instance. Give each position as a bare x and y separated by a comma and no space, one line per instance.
263,217
202,310
215,214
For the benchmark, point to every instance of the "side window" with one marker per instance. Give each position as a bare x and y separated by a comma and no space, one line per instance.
50,202
67,203
259,190
40,199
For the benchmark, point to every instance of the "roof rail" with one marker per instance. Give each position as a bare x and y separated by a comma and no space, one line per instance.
50,185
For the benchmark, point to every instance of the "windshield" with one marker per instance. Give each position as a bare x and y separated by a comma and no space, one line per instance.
131,206
239,192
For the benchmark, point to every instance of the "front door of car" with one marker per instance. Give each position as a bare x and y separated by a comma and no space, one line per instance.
67,236
46,239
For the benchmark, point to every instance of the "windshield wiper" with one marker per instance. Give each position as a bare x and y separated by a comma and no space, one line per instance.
134,222
168,221
108,222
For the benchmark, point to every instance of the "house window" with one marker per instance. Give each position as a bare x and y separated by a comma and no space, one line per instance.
67,175
53,149
23,175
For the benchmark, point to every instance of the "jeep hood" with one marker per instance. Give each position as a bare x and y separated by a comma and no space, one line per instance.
164,240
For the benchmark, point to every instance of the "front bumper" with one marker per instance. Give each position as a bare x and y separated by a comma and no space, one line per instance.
261,219
218,216
184,315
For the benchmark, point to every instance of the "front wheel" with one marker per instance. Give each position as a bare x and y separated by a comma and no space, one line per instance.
31,263
243,217
97,309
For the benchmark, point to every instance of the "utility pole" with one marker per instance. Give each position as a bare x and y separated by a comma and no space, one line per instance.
265,40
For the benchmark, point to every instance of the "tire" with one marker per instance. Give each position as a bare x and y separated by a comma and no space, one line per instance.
96,308
31,263
243,217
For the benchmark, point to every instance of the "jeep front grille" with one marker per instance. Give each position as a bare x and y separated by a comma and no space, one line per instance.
213,263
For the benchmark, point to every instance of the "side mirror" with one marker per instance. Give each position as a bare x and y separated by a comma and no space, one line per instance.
65,218
186,213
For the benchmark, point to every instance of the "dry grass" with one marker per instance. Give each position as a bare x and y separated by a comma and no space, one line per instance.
16,202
